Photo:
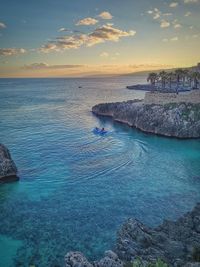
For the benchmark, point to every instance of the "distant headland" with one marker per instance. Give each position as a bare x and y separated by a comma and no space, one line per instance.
171,108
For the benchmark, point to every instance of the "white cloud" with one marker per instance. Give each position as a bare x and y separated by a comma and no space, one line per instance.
177,26
174,4
105,15
156,16
164,24
167,14
187,14
191,1
99,35
36,66
2,25
174,39
11,51
63,30
87,21
104,54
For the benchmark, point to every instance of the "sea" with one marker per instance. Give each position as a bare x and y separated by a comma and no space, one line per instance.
77,188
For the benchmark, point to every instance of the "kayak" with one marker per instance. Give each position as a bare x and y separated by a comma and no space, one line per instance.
99,131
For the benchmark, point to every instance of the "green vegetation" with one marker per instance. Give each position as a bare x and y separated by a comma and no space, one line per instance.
196,254
138,263
172,81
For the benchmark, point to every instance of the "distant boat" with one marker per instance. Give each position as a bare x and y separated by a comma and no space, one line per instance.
80,87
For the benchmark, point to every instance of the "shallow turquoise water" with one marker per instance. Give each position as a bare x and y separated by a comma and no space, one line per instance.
76,188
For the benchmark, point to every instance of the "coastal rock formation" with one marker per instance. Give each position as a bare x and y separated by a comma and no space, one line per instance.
8,169
173,242
181,120
176,243
77,259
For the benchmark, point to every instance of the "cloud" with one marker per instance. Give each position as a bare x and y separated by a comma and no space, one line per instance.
191,1
157,14
164,24
87,21
104,54
11,51
63,30
36,66
173,39
187,14
2,25
174,4
177,26
99,35
107,33
165,40
105,15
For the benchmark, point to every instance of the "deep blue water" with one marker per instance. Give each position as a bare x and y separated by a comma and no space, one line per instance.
77,188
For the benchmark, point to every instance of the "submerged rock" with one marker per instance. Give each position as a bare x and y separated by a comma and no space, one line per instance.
8,169
181,120
175,242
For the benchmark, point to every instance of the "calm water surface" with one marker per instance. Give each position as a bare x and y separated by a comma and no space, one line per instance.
77,188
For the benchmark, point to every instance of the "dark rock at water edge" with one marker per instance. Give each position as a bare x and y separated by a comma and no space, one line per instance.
149,87
174,242
181,120
79,260
8,169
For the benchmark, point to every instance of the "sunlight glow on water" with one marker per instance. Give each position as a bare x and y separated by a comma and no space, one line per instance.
77,188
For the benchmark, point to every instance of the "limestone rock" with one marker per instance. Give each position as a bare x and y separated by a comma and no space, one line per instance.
173,242
8,169
181,120
110,260
76,259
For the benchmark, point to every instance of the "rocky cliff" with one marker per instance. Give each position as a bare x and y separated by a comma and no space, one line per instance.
8,169
176,243
181,120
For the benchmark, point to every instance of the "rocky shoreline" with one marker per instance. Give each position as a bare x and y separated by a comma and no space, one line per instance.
180,120
149,87
177,243
8,169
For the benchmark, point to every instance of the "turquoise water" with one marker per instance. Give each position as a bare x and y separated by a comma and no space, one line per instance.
77,188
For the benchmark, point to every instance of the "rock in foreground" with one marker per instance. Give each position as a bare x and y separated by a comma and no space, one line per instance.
181,120
8,169
173,242
176,243
77,259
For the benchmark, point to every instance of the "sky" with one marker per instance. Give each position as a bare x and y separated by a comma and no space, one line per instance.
67,38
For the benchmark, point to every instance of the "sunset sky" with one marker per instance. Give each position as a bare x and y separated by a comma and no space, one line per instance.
48,38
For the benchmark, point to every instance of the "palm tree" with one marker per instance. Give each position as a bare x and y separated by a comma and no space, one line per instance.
170,77
185,74
196,79
163,76
152,78
179,75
